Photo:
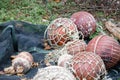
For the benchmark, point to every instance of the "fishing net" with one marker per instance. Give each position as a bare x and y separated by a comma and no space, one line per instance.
52,57
88,66
71,47
17,36
64,60
54,73
74,47
60,31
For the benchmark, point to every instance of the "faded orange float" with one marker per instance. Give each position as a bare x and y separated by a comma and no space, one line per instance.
88,66
85,22
60,31
107,48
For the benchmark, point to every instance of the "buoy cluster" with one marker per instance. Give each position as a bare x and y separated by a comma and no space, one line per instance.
73,58
86,61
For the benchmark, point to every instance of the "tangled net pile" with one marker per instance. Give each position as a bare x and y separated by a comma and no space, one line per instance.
74,54
54,73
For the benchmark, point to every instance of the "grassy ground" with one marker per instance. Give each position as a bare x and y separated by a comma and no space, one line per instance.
26,10
33,11
36,12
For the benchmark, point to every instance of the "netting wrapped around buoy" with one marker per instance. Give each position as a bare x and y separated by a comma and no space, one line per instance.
88,66
69,50
54,73
60,31
23,60
74,47
107,48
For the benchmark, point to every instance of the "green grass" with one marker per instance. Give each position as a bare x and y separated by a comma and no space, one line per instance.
33,11
26,10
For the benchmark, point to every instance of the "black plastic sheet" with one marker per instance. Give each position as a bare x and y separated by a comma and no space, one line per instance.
16,36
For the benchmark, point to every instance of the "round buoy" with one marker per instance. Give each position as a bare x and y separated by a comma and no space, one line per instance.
107,48
60,31
88,66
85,22
74,47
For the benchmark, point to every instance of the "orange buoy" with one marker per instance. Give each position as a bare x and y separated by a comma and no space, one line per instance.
107,48
60,31
88,66
85,22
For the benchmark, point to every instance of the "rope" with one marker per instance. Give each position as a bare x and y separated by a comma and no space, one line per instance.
80,32
60,31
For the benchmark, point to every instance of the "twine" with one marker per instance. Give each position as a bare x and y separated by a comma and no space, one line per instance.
98,64
54,73
54,38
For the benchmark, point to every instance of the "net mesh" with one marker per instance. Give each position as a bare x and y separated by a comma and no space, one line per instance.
64,60
60,31
53,56
54,73
88,66
74,47
71,47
